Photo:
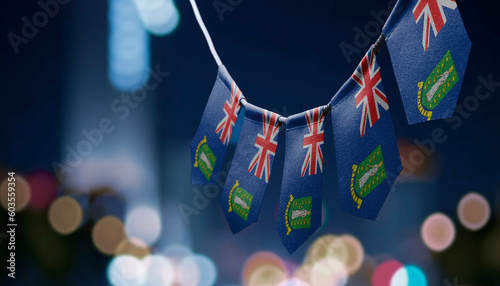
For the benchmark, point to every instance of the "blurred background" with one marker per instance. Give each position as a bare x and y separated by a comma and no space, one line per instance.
100,100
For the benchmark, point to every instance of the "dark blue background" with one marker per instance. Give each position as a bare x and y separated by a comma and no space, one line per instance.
285,57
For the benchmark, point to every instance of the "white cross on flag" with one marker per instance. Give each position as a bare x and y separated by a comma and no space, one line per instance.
369,96
433,13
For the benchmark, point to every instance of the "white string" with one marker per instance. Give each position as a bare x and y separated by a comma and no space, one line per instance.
243,101
205,32
282,119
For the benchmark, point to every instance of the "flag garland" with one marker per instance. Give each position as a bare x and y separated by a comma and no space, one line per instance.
429,49
299,213
250,170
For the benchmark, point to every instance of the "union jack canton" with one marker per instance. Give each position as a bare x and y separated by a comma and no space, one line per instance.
434,17
313,141
266,144
231,109
367,76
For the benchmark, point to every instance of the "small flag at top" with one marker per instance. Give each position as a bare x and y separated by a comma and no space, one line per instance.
251,167
216,127
429,50
367,154
299,214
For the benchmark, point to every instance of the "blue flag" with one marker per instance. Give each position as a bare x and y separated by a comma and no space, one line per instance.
365,145
429,49
299,214
251,167
214,132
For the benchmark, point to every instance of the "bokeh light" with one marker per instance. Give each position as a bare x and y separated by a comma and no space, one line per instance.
293,282
409,275
416,164
473,211
126,270
43,189
400,278
134,247
177,252
416,276
265,268
128,46
189,272
160,271
206,270
355,253
328,271
303,272
438,232
384,273
107,234
144,222
22,192
266,275
159,17
66,215
327,246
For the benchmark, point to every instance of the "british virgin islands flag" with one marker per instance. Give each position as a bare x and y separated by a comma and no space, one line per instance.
299,214
251,167
216,127
366,150
429,49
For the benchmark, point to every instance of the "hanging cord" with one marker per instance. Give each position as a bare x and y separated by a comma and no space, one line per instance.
205,32
327,108
380,41
283,119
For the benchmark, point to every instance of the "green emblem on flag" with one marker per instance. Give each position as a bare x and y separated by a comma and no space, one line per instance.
439,82
205,159
370,173
240,201
299,213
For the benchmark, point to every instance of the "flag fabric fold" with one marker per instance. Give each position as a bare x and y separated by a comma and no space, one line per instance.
216,127
365,145
299,214
251,167
429,50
